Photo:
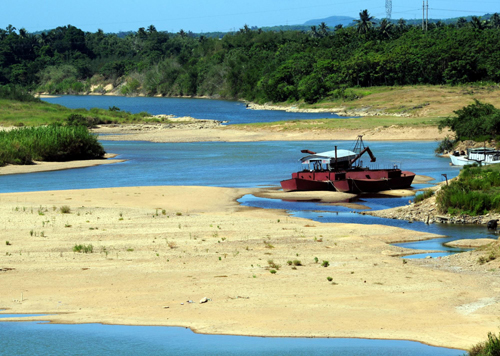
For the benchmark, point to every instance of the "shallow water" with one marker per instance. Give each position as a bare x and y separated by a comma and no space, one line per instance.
33,338
234,112
229,164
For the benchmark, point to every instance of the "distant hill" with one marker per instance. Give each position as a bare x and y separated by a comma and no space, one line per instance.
332,21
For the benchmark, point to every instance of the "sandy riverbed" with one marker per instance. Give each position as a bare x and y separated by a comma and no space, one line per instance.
164,133
155,248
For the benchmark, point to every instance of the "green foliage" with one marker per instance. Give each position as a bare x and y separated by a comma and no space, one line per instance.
13,92
445,146
476,192
48,143
255,64
426,194
325,264
83,248
65,209
478,121
489,348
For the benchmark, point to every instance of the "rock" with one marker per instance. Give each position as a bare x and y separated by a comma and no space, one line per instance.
203,300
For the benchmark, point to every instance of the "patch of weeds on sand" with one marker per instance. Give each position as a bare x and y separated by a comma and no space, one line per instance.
67,225
316,259
325,264
178,213
8,243
273,271
130,250
268,245
83,248
294,263
65,209
329,279
273,265
489,347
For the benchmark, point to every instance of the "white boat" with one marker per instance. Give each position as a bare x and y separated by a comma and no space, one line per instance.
480,156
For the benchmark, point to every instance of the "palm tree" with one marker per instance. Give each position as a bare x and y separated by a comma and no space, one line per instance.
151,29
385,28
10,29
495,20
323,29
461,22
477,23
314,32
401,25
365,22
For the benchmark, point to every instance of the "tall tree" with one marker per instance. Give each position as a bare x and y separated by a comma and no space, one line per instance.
365,22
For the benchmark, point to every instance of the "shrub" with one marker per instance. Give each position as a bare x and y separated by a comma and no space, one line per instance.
329,279
426,194
325,264
488,348
65,209
48,143
83,248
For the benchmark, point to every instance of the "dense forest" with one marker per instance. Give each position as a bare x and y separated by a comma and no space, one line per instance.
253,64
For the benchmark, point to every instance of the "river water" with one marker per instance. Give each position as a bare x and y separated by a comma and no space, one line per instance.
249,164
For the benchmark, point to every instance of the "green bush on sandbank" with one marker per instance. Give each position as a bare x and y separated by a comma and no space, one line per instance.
476,192
48,143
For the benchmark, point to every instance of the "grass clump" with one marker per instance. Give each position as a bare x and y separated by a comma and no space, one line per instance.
325,264
491,347
54,143
83,248
425,195
65,209
273,265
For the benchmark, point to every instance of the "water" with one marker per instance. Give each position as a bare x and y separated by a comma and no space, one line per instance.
228,164
234,112
34,338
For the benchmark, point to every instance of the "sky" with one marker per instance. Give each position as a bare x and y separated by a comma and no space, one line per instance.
214,15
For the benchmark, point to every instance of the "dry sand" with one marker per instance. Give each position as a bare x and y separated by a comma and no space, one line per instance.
232,134
40,166
155,248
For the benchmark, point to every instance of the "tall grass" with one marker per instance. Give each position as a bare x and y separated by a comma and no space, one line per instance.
13,92
476,192
48,143
488,348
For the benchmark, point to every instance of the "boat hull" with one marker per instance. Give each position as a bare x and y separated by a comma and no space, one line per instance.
358,181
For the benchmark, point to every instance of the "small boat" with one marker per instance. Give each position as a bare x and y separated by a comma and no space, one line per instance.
340,170
480,156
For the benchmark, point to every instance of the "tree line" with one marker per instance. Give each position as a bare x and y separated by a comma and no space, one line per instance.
253,64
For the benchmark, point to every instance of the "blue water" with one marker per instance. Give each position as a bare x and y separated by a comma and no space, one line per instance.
33,338
212,164
228,164
232,111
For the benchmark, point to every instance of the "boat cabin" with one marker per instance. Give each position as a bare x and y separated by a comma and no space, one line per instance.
328,161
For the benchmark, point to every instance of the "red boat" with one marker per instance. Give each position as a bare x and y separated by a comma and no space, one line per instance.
340,170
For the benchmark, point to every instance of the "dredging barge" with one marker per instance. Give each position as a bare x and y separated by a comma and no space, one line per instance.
340,170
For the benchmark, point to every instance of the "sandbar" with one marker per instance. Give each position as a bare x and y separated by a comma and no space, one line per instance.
156,248
43,166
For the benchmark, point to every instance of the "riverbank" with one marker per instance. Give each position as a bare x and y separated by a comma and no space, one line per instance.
40,166
154,249
201,132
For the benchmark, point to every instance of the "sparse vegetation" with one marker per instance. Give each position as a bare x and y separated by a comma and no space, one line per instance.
65,209
83,248
491,347
425,195
325,264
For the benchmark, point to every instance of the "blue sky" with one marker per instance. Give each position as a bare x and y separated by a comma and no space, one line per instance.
213,15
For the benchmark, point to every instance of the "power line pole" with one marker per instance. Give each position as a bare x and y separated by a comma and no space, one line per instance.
427,21
423,15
